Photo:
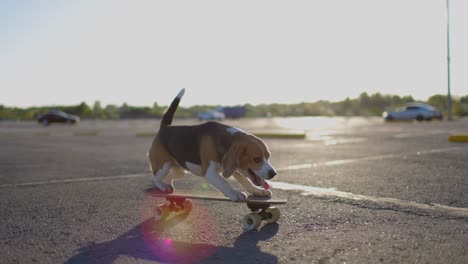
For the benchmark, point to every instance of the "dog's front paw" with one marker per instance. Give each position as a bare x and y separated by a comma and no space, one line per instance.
262,193
237,196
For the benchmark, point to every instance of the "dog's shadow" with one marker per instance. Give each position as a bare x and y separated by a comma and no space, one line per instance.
134,244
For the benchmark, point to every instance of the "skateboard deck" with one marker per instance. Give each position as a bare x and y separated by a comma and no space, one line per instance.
184,195
181,201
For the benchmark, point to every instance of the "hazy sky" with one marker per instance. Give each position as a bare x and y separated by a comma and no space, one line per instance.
227,52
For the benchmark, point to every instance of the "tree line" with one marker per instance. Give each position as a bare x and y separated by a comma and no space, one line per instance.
364,105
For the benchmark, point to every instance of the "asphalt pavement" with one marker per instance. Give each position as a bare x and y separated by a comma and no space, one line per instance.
359,190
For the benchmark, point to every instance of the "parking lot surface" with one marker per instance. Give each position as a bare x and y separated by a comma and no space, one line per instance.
359,190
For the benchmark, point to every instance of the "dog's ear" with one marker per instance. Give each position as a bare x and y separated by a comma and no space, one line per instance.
231,159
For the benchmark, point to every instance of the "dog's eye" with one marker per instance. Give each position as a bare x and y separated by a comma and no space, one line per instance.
257,160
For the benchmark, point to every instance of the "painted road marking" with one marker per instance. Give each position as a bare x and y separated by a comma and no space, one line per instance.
89,179
369,158
305,190
334,193
421,134
288,168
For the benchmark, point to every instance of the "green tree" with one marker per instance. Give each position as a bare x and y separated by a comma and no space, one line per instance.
97,110
156,110
464,99
111,112
439,101
83,110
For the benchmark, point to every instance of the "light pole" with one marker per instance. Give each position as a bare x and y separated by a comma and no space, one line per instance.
449,97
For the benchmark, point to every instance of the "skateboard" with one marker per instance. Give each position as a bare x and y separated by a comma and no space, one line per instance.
261,207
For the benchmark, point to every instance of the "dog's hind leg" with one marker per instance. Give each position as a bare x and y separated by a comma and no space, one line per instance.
158,178
160,162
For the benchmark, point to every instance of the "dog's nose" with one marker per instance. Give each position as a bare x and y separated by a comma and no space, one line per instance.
271,173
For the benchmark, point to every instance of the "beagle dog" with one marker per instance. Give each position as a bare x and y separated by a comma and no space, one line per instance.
211,150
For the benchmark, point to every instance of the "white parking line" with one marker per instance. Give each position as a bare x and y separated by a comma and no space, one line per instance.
422,134
288,168
369,158
305,190
332,192
89,179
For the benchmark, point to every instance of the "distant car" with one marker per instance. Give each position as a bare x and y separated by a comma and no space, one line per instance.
234,111
413,111
211,115
56,116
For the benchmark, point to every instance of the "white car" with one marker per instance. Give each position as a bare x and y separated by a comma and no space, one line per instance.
413,111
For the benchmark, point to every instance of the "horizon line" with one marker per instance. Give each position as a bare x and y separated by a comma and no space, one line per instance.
228,105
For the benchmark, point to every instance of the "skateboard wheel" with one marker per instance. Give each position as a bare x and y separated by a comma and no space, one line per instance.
161,212
275,215
252,221
187,205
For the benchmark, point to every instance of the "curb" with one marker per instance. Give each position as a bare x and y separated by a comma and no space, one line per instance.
259,134
281,135
91,133
458,138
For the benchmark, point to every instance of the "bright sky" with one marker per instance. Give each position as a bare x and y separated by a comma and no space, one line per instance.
227,52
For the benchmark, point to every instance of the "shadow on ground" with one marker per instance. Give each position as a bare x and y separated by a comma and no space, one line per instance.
142,242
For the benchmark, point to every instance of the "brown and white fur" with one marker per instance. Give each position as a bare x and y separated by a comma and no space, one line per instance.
211,150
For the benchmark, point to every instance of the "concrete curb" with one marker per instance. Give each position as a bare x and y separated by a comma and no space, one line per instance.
258,134
281,135
458,138
90,133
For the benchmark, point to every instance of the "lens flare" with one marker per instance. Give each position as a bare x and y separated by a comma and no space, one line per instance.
179,237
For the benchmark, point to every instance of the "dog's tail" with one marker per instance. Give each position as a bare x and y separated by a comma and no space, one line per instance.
169,114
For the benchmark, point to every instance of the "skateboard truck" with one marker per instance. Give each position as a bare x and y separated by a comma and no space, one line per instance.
260,212
260,207
174,205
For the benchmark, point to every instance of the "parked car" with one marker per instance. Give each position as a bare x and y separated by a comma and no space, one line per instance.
56,116
234,111
413,111
211,115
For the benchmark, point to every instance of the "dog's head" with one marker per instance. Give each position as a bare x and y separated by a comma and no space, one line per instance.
249,155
